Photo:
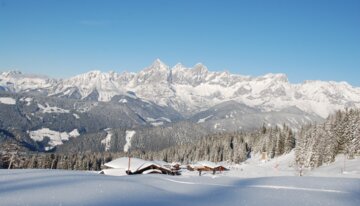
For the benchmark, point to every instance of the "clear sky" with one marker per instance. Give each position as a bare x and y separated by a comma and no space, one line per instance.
305,39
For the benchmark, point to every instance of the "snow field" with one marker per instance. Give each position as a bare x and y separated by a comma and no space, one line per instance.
56,138
57,187
285,166
7,100
254,182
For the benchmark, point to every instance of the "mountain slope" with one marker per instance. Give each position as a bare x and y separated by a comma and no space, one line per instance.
234,116
45,122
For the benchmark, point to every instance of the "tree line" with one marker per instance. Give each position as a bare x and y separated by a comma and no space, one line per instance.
75,161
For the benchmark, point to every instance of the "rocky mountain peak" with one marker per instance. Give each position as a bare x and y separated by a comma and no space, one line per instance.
280,77
200,68
158,65
178,67
157,72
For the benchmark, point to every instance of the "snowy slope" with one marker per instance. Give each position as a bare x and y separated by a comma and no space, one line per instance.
340,168
56,187
285,166
234,116
195,89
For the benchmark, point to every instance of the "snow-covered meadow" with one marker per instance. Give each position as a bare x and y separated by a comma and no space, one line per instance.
56,187
252,183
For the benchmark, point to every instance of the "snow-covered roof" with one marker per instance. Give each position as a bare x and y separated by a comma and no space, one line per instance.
196,165
161,163
135,164
123,163
206,164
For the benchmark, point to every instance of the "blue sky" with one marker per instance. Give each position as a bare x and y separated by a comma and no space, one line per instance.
305,39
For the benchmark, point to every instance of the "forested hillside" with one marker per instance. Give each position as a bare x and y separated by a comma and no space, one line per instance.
315,144
319,144
231,147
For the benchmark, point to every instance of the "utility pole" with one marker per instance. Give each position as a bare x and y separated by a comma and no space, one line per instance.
129,164
128,152
344,166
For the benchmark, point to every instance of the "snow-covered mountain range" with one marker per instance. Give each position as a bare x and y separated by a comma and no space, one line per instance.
190,90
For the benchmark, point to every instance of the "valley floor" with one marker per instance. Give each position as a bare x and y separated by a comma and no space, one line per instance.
323,186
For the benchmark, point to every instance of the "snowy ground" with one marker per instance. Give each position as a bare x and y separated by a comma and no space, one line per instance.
285,166
57,187
254,182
